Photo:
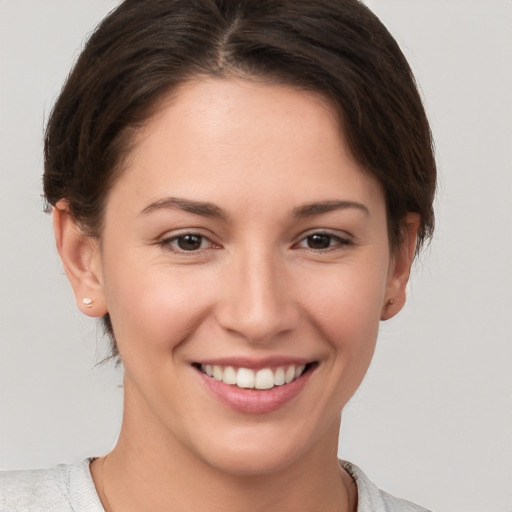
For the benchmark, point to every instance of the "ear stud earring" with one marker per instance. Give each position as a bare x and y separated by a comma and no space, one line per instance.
390,302
87,302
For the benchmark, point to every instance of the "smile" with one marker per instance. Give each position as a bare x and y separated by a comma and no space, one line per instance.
245,378
256,387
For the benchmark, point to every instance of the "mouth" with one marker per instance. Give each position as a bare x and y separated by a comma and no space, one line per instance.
261,379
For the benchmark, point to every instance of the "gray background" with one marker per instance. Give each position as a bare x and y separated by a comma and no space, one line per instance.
433,420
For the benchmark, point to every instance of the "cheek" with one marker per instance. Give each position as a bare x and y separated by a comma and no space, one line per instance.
153,308
346,303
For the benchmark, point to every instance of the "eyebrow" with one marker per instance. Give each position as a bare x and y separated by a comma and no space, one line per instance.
204,209
311,209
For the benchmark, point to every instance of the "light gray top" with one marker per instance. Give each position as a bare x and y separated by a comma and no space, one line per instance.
70,488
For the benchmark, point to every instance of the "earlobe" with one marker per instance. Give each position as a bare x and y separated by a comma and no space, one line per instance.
80,257
400,268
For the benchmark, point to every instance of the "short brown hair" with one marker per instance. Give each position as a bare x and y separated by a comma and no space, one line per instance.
143,49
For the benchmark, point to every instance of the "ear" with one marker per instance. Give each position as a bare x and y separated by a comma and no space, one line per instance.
400,268
80,257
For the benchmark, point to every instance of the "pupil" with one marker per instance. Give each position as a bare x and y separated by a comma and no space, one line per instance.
319,241
189,242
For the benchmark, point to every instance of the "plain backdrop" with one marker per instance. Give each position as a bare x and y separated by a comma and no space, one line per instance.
433,420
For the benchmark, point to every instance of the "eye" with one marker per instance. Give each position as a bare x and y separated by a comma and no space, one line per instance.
322,241
187,242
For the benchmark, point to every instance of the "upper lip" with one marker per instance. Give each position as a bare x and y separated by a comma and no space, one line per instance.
255,364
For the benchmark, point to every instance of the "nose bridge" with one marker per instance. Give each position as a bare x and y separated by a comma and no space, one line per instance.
257,304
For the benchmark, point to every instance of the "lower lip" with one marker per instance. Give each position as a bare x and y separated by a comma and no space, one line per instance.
255,401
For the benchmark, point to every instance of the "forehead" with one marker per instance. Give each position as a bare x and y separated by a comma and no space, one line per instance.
246,104
213,134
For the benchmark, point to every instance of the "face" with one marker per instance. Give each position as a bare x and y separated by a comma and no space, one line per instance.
245,264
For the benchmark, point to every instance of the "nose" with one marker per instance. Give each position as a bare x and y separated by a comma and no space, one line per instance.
258,300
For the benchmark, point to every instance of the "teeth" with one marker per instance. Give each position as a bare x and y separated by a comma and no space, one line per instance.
279,377
217,372
229,375
264,379
246,378
290,374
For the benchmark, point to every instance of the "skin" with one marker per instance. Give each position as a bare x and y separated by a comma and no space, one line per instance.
254,289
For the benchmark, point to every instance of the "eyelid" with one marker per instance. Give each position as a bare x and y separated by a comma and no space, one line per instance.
165,241
344,239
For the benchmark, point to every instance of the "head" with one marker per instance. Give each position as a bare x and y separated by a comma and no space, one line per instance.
148,57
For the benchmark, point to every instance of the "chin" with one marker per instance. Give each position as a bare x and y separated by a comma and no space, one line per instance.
250,461
260,450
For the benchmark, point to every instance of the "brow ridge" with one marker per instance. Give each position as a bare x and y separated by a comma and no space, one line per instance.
203,208
207,209
318,208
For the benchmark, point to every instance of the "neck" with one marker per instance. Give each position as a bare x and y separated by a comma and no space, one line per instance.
151,470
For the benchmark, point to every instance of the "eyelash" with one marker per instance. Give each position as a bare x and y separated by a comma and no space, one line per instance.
168,243
335,242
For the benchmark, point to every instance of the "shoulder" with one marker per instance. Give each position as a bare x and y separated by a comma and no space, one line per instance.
372,499
38,489
64,488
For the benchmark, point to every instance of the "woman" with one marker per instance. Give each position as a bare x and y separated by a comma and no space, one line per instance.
238,189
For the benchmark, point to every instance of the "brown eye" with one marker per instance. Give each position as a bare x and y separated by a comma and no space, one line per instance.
319,241
322,241
189,242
